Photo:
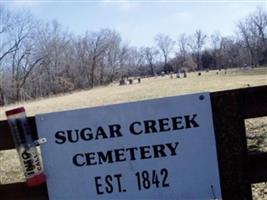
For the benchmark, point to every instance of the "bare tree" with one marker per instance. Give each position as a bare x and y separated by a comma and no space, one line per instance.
96,45
248,42
196,44
23,57
113,56
23,63
151,54
259,20
182,54
165,45
7,24
123,60
253,31
134,61
229,52
54,42
109,60
15,30
8,43
216,48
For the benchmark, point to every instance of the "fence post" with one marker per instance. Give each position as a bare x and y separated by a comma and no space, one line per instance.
231,146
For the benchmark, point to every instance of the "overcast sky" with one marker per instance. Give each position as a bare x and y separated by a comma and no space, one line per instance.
139,21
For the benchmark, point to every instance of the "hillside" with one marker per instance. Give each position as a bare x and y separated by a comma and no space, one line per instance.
148,88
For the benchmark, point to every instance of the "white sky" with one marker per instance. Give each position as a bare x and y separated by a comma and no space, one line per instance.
139,21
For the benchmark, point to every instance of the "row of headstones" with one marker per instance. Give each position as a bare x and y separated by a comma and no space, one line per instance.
179,75
128,81
182,74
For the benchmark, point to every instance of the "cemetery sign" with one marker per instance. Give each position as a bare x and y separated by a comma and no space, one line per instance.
155,149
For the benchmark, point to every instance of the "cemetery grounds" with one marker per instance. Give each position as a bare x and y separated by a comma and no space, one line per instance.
151,87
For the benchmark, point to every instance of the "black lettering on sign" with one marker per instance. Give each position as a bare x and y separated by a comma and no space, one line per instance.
159,151
115,130
150,179
150,126
125,154
105,157
172,148
90,158
60,137
100,133
118,178
109,187
132,152
87,134
73,137
119,155
109,184
145,152
78,160
177,123
28,162
190,122
134,129
163,125
98,185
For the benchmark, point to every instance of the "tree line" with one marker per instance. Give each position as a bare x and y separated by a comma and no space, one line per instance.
39,59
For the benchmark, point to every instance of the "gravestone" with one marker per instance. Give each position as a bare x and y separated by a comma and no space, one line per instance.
185,75
122,82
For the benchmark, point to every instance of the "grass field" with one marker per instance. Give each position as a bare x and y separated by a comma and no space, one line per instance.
148,88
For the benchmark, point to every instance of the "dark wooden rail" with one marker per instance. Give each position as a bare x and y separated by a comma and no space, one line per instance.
238,168
20,191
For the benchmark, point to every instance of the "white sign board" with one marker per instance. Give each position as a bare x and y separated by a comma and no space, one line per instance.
155,149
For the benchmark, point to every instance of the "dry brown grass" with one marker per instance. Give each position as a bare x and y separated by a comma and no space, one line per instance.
256,130
149,88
